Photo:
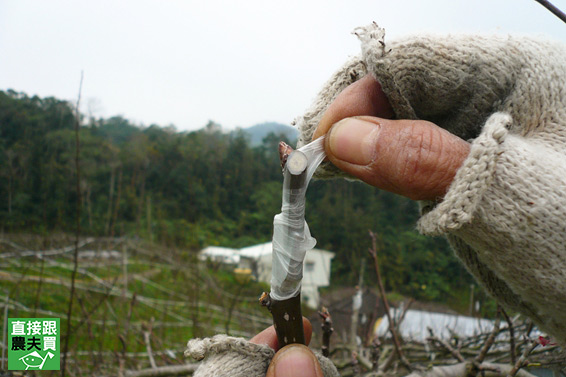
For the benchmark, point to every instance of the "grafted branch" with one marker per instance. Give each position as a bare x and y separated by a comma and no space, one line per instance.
287,316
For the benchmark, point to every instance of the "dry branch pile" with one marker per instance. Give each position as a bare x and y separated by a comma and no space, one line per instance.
486,354
511,348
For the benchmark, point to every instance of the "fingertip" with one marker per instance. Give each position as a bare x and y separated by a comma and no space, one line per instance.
354,140
294,360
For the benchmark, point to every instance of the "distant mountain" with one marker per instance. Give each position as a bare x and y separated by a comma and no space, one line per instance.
259,131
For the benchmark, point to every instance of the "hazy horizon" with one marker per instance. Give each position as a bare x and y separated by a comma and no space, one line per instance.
239,64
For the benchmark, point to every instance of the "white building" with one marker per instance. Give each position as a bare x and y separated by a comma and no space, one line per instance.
257,259
222,255
445,326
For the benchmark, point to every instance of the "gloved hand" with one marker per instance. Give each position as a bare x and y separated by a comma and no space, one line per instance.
223,355
414,158
490,162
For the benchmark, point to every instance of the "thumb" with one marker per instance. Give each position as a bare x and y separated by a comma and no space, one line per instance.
413,158
294,360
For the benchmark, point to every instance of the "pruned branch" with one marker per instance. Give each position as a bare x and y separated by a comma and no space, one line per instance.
398,350
522,362
77,230
327,330
476,365
444,344
511,336
147,341
489,342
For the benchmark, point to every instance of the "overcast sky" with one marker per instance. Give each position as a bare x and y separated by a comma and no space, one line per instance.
238,63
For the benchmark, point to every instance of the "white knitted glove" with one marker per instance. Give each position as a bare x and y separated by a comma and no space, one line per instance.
505,212
226,356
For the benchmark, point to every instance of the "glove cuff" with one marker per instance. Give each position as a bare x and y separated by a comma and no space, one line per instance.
223,355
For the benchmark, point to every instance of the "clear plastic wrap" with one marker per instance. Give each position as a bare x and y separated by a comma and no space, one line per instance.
291,235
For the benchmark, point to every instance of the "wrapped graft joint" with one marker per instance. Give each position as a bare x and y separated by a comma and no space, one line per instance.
291,241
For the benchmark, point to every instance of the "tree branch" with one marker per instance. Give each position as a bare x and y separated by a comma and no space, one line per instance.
398,350
454,352
147,341
286,313
327,330
552,8
78,230
489,342
511,336
522,362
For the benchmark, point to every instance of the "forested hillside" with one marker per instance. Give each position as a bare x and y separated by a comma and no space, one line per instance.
193,189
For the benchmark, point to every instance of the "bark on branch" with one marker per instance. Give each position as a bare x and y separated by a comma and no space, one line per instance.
327,330
522,362
444,344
